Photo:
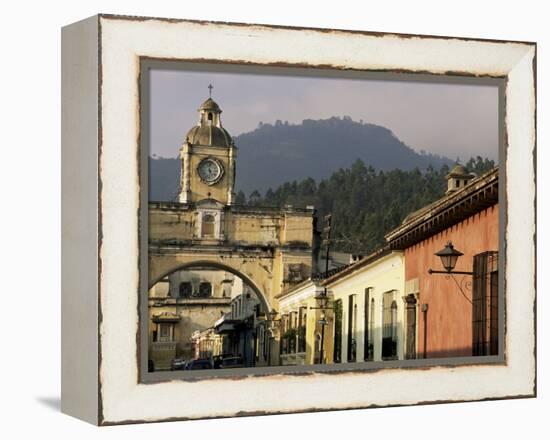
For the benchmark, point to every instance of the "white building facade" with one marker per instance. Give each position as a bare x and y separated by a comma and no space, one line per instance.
369,309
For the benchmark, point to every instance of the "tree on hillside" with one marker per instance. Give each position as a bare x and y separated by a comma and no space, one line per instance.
365,204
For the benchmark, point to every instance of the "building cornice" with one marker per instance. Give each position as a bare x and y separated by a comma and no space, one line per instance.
236,209
296,288
365,261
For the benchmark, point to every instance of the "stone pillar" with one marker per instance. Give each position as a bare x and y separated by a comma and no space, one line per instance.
231,175
185,179
273,357
311,325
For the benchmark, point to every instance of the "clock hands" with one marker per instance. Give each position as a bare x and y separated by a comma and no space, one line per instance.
209,170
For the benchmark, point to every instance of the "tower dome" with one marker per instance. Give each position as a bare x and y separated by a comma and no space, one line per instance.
210,106
209,130
208,165
459,170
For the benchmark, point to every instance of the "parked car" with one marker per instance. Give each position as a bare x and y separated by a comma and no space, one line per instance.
177,364
198,364
232,362
217,360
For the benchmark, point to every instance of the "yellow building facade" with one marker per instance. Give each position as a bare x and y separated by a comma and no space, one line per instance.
299,327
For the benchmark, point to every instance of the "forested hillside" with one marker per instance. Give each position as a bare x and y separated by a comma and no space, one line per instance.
365,203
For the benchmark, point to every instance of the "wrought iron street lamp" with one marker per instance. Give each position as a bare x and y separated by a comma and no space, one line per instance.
323,305
449,256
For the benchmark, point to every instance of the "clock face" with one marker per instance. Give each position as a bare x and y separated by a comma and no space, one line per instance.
210,170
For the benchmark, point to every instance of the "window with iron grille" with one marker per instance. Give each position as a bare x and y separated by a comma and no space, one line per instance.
338,331
485,304
302,316
368,325
164,332
205,290
389,326
352,329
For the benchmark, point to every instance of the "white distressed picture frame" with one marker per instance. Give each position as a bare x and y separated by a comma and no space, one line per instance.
101,201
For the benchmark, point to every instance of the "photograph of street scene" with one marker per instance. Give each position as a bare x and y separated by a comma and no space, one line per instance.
326,220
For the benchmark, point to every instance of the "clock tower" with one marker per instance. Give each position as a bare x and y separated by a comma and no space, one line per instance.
208,159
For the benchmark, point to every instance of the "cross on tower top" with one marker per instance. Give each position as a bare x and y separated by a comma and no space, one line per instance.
210,87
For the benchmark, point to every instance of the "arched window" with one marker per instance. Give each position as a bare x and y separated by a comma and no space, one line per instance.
205,290
210,116
371,328
207,227
352,327
338,324
185,290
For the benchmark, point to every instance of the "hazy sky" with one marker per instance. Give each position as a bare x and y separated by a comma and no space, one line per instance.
446,119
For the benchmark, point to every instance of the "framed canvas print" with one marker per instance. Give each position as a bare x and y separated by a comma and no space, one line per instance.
262,219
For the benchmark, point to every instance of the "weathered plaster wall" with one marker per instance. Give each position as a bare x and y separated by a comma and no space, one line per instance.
449,315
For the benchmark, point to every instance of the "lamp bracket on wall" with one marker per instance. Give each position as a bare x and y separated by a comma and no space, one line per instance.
453,272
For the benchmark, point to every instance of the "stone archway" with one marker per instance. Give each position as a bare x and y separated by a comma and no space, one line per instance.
271,248
175,266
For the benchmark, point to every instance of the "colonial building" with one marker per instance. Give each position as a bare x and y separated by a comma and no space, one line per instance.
270,249
390,305
369,308
456,312
183,303
362,317
207,344
241,330
299,327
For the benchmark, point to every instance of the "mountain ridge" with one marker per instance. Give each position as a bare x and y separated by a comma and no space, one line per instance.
280,152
